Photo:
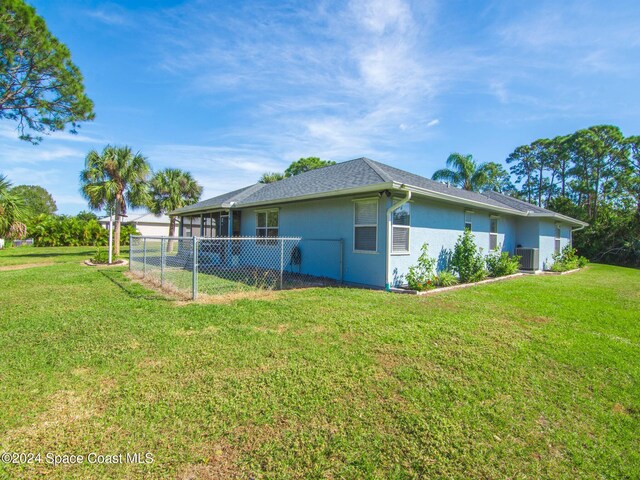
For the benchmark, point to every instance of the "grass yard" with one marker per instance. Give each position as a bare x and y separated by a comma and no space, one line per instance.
527,378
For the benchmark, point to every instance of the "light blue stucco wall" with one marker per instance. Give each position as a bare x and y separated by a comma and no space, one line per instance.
547,241
328,219
439,225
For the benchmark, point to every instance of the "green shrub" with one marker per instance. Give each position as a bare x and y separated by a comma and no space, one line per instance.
467,261
446,278
567,259
101,256
500,263
421,275
65,231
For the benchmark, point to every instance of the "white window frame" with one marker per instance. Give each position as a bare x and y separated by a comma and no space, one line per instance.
407,227
266,228
365,200
468,220
493,218
557,238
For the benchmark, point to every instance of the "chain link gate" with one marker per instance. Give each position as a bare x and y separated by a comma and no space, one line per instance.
215,266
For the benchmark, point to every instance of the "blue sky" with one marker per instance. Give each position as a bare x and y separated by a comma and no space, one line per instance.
228,90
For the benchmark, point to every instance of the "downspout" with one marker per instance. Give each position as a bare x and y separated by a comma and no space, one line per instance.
576,230
389,237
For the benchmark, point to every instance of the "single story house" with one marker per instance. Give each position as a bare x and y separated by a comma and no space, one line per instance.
383,216
147,224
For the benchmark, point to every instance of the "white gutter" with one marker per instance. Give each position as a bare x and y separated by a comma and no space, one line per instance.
462,201
376,187
390,210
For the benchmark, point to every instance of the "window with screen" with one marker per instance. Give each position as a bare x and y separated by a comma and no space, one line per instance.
191,226
267,226
493,234
401,226
467,220
365,226
558,235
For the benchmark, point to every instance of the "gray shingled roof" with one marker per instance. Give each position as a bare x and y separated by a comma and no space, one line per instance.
358,173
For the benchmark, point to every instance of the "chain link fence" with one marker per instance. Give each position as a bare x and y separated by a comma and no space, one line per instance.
217,266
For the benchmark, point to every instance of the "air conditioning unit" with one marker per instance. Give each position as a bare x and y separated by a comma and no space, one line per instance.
529,258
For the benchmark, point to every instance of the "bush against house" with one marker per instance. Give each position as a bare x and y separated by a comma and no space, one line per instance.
421,275
501,263
567,259
467,261
65,231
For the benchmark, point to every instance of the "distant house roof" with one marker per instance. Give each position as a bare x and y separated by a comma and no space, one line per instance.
146,218
359,176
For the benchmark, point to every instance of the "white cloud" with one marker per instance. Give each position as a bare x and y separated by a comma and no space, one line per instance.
111,14
338,87
433,123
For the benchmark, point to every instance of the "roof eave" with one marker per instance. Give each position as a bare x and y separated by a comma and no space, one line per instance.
312,196
461,201
559,216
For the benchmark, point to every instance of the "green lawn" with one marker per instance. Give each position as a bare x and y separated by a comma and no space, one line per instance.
527,378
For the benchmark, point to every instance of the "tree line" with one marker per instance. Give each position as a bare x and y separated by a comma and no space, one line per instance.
592,174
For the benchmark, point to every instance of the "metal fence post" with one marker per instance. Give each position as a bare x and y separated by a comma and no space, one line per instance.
194,280
130,248
281,260
162,262
144,257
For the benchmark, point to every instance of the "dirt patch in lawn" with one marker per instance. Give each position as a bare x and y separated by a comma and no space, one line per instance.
221,462
182,297
24,266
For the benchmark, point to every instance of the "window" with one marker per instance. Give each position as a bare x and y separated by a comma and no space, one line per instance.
365,226
191,226
401,228
467,219
493,234
215,224
558,235
267,226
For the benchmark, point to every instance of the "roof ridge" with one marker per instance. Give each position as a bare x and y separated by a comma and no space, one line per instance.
244,193
376,168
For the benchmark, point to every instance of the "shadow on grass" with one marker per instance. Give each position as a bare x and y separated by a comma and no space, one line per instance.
130,288
61,254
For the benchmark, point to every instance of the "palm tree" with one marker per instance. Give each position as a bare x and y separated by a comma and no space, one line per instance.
12,207
463,172
172,189
115,179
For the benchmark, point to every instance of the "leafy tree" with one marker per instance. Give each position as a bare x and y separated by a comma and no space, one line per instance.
86,216
524,167
40,87
12,207
37,199
171,189
296,168
115,178
633,145
462,171
270,177
305,165
498,179
593,175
